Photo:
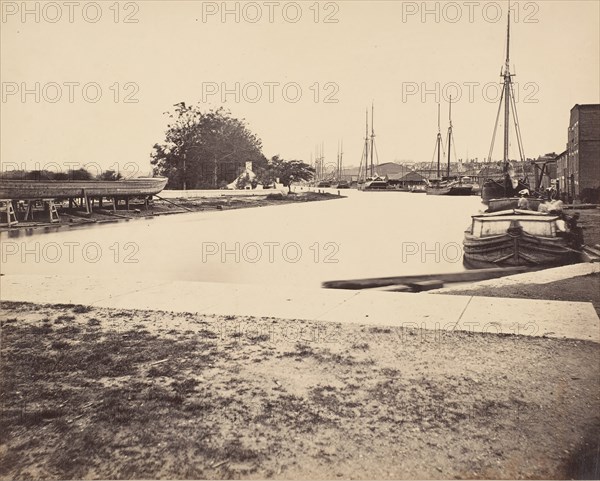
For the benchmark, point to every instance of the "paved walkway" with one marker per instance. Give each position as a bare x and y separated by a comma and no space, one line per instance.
574,320
540,277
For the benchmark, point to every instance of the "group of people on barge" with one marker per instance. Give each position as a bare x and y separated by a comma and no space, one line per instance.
566,224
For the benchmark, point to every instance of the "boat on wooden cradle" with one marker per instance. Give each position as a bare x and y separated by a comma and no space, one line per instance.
59,189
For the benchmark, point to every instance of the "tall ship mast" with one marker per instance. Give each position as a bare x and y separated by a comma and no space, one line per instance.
340,162
509,185
449,135
372,139
446,185
366,171
363,167
439,144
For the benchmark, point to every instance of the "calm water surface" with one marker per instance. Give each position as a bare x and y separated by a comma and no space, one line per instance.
367,234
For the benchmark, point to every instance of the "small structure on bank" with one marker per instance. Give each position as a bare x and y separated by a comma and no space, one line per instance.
247,180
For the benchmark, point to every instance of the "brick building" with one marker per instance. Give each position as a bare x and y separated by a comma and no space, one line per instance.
578,171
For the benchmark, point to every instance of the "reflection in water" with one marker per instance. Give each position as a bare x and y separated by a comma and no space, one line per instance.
368,234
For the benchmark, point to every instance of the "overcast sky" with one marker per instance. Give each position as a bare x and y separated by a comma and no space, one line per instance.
321,64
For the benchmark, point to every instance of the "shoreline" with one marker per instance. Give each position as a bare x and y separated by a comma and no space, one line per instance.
168,206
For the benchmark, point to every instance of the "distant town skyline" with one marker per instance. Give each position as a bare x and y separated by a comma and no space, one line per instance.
90,84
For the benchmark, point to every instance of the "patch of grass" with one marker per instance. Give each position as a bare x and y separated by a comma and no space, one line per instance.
260,338
59,345
82,309
12,305
207,334
41,330
380,330
186,386
324,356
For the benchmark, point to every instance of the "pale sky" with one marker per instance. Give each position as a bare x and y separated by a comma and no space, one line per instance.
385,51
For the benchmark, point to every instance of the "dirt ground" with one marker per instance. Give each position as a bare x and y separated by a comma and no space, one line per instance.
90,393
589,220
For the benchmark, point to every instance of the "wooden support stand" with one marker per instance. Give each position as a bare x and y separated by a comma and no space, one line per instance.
6,206
29,210
86,201
50,208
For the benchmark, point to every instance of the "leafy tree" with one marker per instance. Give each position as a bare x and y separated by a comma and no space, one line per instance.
289,171
205,149
39,175
110,175
80,174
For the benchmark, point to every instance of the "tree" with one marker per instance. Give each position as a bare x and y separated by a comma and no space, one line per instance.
80,174
110,175
205,149
289,171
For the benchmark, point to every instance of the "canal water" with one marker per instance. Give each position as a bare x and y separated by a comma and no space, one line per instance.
366,234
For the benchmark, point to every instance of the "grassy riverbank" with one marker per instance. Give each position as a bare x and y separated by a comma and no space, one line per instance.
112,394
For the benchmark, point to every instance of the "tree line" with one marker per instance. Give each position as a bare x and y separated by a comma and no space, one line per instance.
209,150
75,174
201,150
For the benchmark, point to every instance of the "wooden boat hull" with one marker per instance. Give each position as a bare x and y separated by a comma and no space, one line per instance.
376,186
450,190
48,189
525,250
516,240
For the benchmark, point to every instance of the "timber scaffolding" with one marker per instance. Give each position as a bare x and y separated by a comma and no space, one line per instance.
82,206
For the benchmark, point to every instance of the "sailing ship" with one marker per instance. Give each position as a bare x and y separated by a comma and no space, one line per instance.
368,177
513,236
341,182
446,185
508,185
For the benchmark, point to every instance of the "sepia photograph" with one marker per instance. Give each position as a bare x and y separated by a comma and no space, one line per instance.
299,240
